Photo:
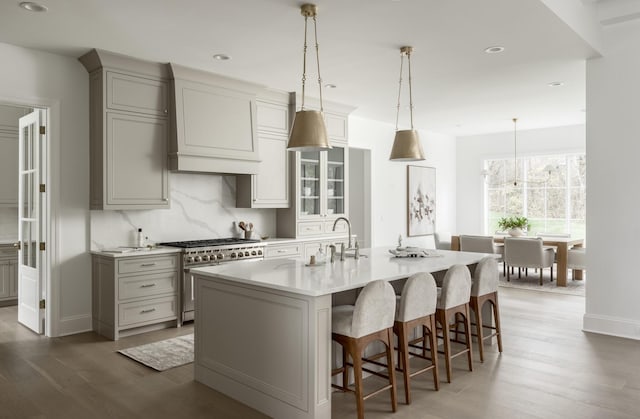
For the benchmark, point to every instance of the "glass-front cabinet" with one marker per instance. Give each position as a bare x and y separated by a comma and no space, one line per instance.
321,187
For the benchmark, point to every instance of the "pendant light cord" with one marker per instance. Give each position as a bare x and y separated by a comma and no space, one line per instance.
304,63
304,60
515,154
399,90
410,92
315,31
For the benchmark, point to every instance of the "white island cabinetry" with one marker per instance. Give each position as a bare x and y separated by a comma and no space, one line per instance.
286,307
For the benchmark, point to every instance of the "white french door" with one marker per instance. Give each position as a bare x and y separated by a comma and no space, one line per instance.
31,221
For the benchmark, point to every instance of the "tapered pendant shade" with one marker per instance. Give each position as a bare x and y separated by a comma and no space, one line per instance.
406,146
309,132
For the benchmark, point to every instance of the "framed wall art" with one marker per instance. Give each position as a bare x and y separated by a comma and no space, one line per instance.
421,200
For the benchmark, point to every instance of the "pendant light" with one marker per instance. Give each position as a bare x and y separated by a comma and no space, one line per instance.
406,145
515,153
309,132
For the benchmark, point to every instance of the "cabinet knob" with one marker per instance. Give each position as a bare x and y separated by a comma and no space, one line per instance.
166,111
165,199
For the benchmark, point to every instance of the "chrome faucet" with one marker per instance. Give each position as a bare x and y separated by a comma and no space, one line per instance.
346,220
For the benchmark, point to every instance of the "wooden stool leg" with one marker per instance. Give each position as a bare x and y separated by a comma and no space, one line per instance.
496,316
403,353
541,270
433,343
467,332
444,322
356,356
345,366
477,310
392,369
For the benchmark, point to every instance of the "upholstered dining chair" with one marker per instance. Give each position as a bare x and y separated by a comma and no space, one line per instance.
577,259
482,244
416,308
354,327
443,240
453,301
484,289
527,253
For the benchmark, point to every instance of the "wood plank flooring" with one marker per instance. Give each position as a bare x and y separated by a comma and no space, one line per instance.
549,369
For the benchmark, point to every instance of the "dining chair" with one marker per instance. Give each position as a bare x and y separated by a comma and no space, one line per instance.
527,253
577,259
482,244
354,327
443,240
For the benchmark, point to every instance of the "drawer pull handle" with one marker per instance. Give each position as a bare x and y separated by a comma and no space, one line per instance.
148,264
282,251
150,310
147,285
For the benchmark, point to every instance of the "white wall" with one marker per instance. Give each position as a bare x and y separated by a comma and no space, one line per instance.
613,196
389,180
473,150
202,207
29,77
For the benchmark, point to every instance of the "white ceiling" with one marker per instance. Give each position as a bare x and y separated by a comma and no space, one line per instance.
458,89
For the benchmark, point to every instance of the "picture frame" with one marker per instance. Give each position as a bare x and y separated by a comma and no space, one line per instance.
421,200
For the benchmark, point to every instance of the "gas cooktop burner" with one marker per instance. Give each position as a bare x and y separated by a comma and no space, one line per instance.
209,242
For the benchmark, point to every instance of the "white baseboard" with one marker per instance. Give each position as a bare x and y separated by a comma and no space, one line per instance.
612,326
74,324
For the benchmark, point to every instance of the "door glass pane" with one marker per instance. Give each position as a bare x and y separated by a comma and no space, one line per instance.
27,162
29,244
309,183
28,195
335,181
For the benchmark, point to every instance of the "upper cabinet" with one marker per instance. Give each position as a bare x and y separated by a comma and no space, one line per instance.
319,184
270,187
213,128
129,108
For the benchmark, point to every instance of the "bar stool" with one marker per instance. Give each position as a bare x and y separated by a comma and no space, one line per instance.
454,300
485,289
354,327
416,307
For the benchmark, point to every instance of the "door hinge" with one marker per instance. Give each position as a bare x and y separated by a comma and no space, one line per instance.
43,247
18,245
41,303
42,130
43,188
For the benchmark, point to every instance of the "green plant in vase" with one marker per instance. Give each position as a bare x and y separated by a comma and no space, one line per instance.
515,226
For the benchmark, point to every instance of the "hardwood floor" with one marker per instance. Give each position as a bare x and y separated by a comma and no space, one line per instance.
549,369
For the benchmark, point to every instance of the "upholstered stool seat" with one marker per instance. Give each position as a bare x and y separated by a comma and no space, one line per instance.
354,327
454,301
416,308
484,288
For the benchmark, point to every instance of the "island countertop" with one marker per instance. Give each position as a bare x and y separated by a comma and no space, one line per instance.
295,276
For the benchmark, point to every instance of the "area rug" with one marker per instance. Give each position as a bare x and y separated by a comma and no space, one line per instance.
163,355
532,283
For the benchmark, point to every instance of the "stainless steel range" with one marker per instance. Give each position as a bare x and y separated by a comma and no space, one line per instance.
198,253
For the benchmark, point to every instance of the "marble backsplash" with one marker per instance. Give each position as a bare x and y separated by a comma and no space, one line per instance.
9,224
203,206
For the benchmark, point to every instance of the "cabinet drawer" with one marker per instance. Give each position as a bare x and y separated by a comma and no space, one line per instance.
310,228
341,227
144,264
148,310
282,251
136,94
147,285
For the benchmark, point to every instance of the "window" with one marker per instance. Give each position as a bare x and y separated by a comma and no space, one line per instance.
550,191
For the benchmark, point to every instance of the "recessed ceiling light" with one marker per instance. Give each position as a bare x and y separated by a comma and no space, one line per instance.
33,7
222,57
330,86
555,84
494,49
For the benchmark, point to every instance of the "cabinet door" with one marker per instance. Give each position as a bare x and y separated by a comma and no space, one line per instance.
136,94
136,162
8,169
335,181
271,186
310,184
5,279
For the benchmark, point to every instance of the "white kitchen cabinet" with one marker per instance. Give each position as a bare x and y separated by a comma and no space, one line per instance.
129,132
269,188
8,274
134,294
282,251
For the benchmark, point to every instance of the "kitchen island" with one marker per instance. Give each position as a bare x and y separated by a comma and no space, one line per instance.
263,329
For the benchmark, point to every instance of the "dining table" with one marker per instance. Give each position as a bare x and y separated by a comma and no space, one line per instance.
562,246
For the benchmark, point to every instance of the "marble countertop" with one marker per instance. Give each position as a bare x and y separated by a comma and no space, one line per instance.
293,275
286,240
121,252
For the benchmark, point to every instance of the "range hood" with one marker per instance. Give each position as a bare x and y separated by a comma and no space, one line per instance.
212,123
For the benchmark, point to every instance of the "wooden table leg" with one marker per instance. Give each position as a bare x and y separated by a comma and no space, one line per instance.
563,254
455,243
577,273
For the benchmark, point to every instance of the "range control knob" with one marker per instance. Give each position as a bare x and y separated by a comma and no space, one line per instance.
233,255
260,252
205,258
240,254
220,256
189,259
197,259
246,253
253,253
